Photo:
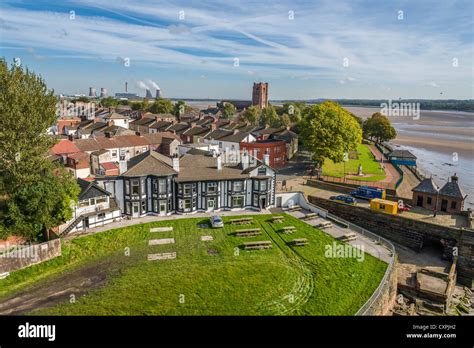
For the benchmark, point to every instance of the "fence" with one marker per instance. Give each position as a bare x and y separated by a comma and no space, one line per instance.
383,149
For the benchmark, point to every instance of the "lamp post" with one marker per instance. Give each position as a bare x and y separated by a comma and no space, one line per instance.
345,159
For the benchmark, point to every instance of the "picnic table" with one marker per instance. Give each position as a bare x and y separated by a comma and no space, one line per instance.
288,229
277,218
241,221
248,232
324,224
300,241
348,237
310,216
264,244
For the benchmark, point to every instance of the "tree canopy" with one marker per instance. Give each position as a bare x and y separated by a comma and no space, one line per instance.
36,195
229,110
378,127
161,106
328,131
251,115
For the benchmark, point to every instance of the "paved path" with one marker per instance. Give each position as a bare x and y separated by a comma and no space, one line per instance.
147,219
409,182
368,245
391,173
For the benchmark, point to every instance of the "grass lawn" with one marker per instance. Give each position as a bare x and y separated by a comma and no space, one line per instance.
369,166
283,280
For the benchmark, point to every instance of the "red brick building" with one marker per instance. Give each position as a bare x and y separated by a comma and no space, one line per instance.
276,150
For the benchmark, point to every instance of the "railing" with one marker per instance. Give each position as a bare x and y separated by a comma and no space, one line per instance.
355,182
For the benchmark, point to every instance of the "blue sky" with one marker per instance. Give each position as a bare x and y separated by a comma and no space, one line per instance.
304,49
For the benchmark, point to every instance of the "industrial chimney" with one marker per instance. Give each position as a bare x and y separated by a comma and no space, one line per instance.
148,94
158,93
126,87
92,92
103,92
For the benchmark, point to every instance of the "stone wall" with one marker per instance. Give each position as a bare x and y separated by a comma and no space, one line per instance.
384,303
411,233
13,259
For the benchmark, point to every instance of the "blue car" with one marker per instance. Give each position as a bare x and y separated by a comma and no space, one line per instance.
343,199
216,221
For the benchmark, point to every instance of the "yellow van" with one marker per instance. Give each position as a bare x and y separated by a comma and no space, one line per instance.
384,205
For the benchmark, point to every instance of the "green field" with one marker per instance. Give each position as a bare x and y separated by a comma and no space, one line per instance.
369,166
284,280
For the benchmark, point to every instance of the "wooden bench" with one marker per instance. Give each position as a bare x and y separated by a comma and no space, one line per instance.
300,242
294,208
241,221
248,233
288,229
265,244
348,237
324,224
310,216
277,219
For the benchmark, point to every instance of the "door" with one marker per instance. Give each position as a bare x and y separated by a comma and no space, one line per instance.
211,204
444,205
279,202
163,208
263,203
136,209
419,201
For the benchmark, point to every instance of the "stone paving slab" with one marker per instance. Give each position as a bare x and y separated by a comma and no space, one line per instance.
161,229
162,256
207,238
161,241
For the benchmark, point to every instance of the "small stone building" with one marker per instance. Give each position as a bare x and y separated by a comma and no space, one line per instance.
449,198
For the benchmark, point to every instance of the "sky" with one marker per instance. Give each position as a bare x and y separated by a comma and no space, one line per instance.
218,49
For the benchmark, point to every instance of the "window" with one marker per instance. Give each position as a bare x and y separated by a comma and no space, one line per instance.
255,185
101,216
428,200
238,186
262,171
135,187
453,204
187,204
83,203
128,208
212,187
382,206
187,189
114,154
237,201
162,185
143,207
263,185
102,199
155,206
155,186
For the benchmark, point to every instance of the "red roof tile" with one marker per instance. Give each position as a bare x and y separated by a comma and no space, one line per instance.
65,147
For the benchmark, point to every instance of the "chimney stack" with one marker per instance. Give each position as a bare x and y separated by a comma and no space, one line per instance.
266,159
126,87
454,178
219,162
245,160
176,163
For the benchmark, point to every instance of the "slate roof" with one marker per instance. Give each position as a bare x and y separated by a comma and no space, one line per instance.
147,163
235,138
452,189
426,186
90,190
217,134
402,154
116,116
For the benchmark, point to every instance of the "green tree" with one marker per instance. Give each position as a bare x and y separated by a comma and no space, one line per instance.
229,111
269,117
161,106
251,115
109,102
27,110
293,111
180,108
38,206
285,120
328,131
378,127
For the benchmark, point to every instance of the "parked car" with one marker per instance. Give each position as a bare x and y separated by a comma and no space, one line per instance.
216,221
344,199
